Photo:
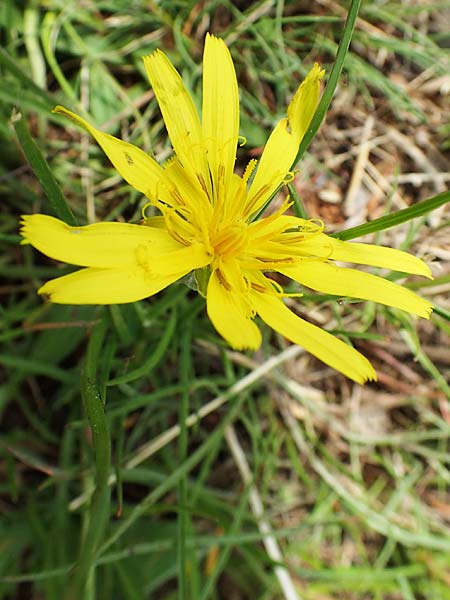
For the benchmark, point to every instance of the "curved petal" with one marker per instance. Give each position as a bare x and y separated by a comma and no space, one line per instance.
105,286
137,168
329,349
230,314
329,279
220,113
282,146
180,116
378,256
98,245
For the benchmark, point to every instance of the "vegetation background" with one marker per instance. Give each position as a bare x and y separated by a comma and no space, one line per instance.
288,481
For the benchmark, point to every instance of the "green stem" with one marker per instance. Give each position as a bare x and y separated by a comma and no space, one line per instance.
335,74
185,373
99,508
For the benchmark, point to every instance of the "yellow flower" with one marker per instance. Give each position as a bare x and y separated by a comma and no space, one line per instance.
208,223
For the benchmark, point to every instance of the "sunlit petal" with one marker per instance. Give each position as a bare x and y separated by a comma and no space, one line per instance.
185,192
378,256
282,146
304,103
329,279
180,116
136,167
276,160
98,245
329,349
220,113
187,259
105,286
230,313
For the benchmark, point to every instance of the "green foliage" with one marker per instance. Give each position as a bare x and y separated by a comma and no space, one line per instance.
120,477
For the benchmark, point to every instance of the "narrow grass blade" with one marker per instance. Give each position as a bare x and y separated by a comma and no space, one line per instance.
99,509
42,171
182,529
154,358
401,216
335,74
8,63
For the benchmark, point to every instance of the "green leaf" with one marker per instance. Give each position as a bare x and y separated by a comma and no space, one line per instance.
8,63
396,218
42,171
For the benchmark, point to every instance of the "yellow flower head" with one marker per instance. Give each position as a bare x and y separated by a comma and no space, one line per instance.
208,221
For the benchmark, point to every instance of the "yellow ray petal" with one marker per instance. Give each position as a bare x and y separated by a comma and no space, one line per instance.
329,279
136,167
329,349
186,259
105,286
180,116
378,256
282,146
276,160
220,112
304,103
230,314
185,192
98,245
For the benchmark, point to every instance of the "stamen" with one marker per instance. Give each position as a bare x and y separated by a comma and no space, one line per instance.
230,241
221,277
288,260
258,288
202,182
256,197
177,196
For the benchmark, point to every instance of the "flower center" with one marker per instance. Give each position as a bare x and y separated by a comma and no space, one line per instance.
229,241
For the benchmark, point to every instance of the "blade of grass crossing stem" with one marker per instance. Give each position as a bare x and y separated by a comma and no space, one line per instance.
99,508
185,374
397,218
42,171
335,74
